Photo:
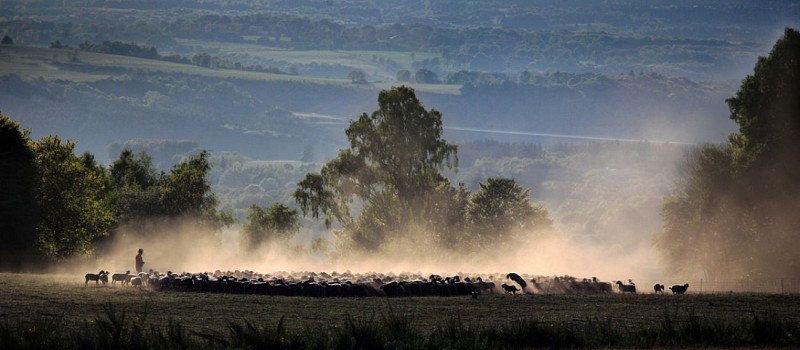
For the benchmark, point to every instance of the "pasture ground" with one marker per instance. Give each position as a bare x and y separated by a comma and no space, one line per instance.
24,297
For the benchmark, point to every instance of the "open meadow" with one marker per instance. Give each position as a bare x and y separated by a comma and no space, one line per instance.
32,301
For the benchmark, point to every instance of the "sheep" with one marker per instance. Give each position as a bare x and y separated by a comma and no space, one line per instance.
516,278
145,278
127,279
626,288
510,289
393,289
136,281
602,287
119,276
678,289
658,288
101,276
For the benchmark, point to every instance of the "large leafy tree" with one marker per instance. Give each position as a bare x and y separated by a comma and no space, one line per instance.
134,187
392,174
276,223
499,212
18,207
70,197
138,193
701,218
134,170
393,163
185,191
734,214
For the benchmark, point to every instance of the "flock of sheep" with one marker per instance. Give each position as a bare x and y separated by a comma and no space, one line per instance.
349,284
657,288
124,278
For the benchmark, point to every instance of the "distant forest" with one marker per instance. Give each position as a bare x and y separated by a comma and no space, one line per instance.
677,38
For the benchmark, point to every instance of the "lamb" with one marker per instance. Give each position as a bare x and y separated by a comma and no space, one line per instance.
626,288
119,276
678,289
102,276
658,288
510,289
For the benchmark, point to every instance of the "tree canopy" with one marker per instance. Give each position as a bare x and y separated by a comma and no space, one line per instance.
499,211
57,204
276,223
395,158
70,197
18,184
734,215
392,173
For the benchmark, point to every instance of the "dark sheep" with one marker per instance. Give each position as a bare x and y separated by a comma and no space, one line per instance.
626,288
678,289
393,289
516,278
602,287
658,288
101,276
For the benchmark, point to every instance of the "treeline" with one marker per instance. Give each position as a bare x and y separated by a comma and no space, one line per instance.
677,18
57,204
426,71
734,213
481,48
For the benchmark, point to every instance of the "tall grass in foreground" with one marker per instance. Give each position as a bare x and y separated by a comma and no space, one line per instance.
396,330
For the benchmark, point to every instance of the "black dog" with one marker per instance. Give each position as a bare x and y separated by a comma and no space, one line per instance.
510,289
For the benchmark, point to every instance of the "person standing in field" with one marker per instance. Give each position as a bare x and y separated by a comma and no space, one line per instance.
139,261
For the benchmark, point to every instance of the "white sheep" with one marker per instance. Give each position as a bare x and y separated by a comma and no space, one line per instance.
119,276
128,278
145,278
136,281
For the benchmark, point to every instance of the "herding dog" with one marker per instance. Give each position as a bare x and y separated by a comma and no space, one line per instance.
510,289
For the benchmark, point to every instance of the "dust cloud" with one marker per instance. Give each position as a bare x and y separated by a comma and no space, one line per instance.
187,246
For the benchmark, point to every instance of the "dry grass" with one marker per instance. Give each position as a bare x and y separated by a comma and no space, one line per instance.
24,297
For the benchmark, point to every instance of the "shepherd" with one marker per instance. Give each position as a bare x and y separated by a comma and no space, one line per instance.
139,261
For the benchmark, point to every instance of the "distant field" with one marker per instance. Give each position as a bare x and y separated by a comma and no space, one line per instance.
34,62
348,58
52,64
23,297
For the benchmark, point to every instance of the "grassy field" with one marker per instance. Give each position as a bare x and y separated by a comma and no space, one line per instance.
356,58
52,64
27,298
